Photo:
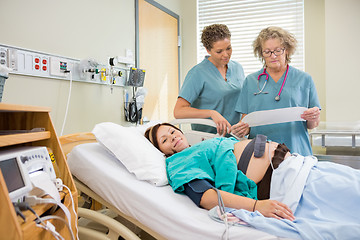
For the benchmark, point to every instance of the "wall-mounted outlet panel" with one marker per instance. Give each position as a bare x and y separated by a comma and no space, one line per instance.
36,63
3,57
39,64
13,59
45,64
58,67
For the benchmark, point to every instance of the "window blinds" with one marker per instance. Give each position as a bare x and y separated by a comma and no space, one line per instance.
245,19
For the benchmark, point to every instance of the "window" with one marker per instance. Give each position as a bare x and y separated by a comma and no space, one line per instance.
245,19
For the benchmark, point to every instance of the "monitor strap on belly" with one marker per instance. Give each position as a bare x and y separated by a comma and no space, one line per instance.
256,146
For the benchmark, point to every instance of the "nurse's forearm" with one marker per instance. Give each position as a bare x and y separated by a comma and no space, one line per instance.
190,112
183,109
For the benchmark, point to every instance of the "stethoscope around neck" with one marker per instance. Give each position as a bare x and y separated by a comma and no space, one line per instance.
277,97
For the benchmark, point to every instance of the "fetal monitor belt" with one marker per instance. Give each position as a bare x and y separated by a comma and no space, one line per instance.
256,146
259,148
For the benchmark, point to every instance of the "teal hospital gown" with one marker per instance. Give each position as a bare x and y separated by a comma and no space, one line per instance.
205,88
298,91
212,160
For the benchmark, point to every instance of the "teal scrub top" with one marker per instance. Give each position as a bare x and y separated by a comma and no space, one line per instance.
205,88
212,160
298,91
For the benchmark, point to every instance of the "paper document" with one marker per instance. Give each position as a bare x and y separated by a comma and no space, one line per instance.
267,117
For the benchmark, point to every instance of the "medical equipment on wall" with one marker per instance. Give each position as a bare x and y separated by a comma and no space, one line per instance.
88,68
28,171
112,72
133,105
277,97
136,77
112,75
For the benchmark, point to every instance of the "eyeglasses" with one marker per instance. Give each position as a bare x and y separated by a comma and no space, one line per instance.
276,52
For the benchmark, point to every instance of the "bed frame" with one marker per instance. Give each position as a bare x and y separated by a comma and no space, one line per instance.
115,228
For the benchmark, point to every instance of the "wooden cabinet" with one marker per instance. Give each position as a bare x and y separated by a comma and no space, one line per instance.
16,123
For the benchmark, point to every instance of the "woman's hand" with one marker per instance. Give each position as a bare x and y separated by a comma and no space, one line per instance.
222,125
240,129
312,116
274,209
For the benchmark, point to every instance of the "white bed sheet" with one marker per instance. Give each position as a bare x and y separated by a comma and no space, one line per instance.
172,215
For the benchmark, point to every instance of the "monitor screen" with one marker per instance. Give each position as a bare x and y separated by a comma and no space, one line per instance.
12,175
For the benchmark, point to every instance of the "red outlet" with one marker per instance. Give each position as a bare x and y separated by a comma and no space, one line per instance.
36,63
44,64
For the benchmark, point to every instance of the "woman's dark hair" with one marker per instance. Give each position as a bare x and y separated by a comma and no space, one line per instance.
151,132
214,33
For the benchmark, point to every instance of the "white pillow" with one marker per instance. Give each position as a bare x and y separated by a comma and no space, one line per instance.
130,146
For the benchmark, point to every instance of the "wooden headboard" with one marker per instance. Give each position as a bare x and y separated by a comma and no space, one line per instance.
69,141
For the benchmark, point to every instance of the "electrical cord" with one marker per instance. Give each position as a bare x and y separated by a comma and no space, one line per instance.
68,103
73,208
271,164
51,228
224,217
18,211
23,206
33,200
46,218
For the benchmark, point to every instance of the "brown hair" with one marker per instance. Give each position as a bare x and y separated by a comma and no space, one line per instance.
287,39
151,133
214,33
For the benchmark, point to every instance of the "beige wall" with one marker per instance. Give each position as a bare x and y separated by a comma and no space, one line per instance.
342,34
189,36
332,56
314,15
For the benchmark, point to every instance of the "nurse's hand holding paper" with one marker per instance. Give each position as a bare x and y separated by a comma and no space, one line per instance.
312,116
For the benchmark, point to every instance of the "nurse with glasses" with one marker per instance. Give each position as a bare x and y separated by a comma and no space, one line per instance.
279,85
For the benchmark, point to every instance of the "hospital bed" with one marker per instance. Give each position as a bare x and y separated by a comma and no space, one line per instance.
157,210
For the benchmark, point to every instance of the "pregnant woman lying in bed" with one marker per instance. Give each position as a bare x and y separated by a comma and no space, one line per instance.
323,196
241,170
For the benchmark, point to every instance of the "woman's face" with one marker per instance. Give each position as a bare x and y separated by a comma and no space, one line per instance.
171,140
221,51
273,61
